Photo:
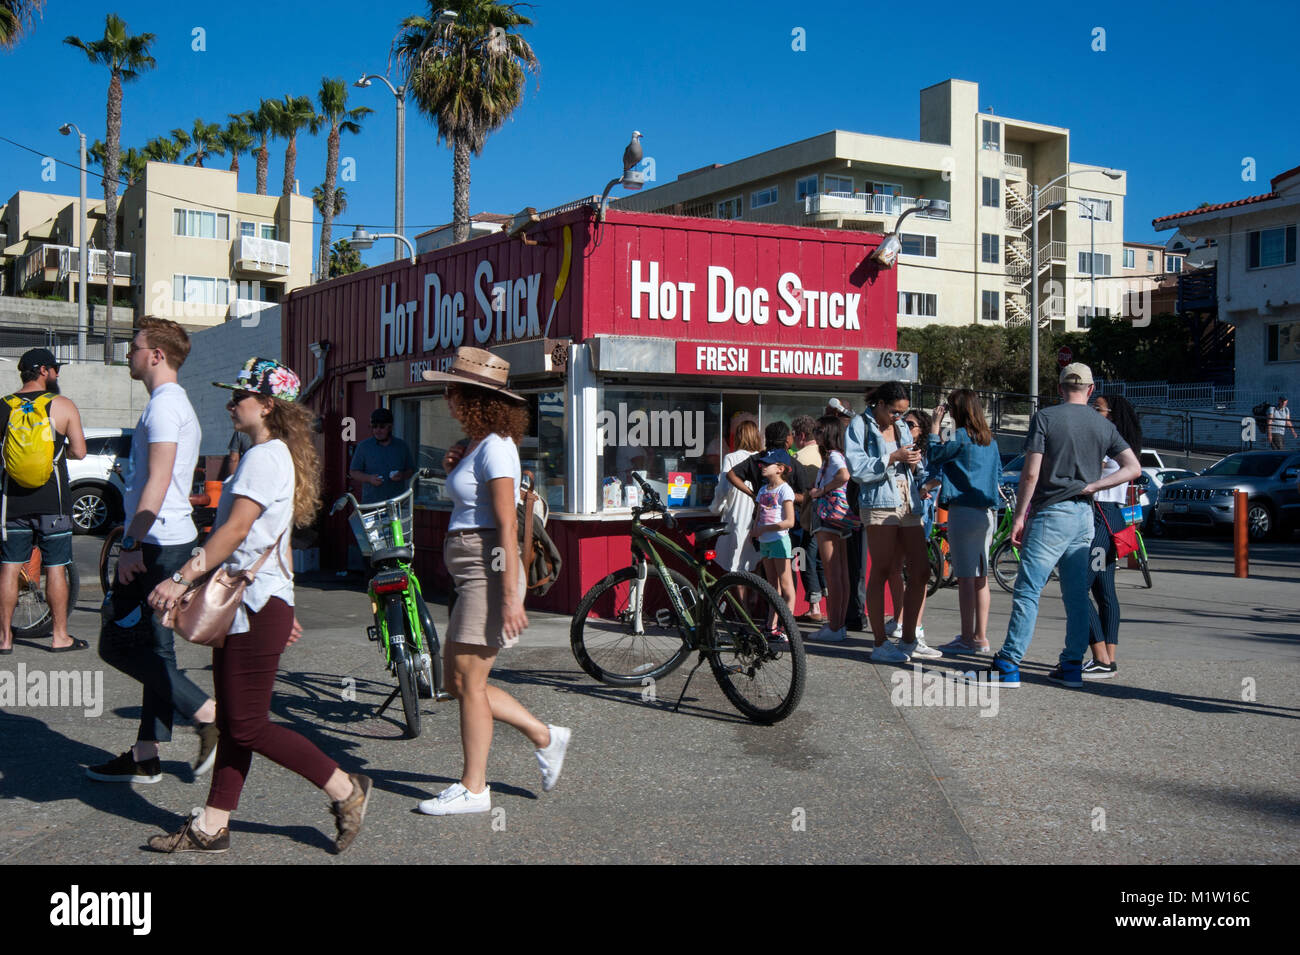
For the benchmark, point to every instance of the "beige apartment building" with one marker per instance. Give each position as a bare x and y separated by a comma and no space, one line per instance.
966,263
191,247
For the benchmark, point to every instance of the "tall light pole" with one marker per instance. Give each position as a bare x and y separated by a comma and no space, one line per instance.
83,311
361,239
399,214
1033,277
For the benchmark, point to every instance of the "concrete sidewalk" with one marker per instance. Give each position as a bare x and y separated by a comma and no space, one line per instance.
1189,756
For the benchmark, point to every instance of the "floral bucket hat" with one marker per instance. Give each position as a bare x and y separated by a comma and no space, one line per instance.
266,376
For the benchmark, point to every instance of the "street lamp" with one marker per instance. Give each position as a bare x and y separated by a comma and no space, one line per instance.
84,268
1092,242
1033,276
361,239
399,93
887,252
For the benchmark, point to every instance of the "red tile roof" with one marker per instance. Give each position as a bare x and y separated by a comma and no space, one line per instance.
1221,205
1285,175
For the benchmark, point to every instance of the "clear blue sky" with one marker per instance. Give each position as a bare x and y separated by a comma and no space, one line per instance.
1181,95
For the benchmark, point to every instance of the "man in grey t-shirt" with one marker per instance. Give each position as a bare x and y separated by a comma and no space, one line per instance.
1062,470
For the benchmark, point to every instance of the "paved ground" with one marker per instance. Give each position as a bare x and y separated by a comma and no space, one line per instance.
1189,757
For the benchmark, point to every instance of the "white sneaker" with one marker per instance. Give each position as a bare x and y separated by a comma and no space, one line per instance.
456,799
888,653
891,627
920,648
551,759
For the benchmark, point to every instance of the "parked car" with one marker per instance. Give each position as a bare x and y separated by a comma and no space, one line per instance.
95,482
1152,481
1270,478
1148,459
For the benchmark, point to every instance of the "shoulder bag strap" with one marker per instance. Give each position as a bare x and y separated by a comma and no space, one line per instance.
266,554
526,556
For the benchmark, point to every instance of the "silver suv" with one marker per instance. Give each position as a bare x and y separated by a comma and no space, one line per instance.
1269,477
95,482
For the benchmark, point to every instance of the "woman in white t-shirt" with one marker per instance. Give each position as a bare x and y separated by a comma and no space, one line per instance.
735,548
275,487
481,552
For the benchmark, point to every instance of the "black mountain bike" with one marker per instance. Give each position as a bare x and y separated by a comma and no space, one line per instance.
651,618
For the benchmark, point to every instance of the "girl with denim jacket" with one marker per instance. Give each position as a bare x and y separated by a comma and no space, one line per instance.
882,458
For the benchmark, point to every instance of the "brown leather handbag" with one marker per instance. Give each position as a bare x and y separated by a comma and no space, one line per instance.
205,613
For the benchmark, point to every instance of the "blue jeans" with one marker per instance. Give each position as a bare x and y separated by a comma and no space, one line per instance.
166,689
1058,535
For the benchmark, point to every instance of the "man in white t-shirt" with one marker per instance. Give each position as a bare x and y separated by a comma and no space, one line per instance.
159,538
1279,422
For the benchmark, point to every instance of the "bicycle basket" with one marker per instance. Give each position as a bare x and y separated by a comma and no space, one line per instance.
373,529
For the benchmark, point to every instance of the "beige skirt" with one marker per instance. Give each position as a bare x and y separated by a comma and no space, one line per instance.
476,567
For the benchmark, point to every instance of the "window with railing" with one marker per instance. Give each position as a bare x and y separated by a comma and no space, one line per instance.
807,186
260,230
842,184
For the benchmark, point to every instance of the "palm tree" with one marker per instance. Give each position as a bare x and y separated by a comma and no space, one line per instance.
333,99
164,149
15,17
131,161
292,114
340,200
467,76
206,138
236,139
261,122
126,57
344,260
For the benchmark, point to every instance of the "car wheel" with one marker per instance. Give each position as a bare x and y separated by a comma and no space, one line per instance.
91,510
1260,523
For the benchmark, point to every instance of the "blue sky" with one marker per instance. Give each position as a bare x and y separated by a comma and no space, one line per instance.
1180,97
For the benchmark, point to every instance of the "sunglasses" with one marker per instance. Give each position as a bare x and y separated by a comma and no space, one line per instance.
237,397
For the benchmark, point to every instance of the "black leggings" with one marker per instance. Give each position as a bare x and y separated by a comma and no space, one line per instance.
1103,619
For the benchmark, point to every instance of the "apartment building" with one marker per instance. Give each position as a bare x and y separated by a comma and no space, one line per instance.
1258,283
191,246
966,262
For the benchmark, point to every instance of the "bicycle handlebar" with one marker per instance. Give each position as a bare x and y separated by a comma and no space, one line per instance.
376,505
653,502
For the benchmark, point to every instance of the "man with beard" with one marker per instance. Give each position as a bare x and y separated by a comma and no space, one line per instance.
41,430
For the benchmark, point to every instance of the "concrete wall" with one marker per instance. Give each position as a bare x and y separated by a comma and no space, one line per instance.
217,354
104,394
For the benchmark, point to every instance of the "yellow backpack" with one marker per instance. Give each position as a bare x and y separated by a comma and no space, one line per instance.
29,440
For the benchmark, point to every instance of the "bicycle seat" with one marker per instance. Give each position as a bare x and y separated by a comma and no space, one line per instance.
705,534
404,553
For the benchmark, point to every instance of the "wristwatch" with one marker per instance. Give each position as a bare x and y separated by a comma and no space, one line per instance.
130,543
178,579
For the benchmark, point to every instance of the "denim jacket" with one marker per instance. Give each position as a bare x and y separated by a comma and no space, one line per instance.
864,450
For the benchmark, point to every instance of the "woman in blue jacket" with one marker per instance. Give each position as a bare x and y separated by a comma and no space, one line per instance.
971,464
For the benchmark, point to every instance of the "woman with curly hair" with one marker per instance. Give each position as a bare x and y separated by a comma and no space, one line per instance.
481,552
275,488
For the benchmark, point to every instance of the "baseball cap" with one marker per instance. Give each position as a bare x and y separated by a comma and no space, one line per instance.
265,376
37,357
1076,373
381,416
775,456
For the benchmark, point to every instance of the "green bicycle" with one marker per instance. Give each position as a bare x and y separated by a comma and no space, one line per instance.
639,624
403,627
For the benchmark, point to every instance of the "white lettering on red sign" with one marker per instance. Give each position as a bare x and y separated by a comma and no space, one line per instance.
696,358
728,301
721,358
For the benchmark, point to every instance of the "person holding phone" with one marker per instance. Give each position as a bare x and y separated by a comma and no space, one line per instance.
382,464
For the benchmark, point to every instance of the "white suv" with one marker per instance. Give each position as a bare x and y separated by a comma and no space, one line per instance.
95,483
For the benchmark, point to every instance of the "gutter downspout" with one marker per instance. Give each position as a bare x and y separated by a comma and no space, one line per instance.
320,350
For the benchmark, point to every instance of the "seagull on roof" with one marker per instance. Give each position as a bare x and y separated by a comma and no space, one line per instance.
632,155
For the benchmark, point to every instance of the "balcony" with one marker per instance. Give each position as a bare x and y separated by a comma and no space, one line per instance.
259,256
1051,252
1052,307
53,264
842,204
1013,161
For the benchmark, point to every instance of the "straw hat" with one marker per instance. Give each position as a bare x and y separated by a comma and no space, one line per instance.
477,367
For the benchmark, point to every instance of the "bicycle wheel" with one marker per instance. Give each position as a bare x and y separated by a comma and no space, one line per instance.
762,678
1143,563
428,677
405,666
936,573
108,556
1006,566
612,648
32,614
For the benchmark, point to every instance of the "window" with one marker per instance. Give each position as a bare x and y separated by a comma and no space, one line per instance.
1173,263
807,186
1270,247
926,245
1098,209
1284,342
838,184
763,197
1087,261
1129,256
658,434
1151,261
918,303
992,134
200,290
882,188
729,208
197,224
270,231
248,229
989,311
992,192
989,248
1086,315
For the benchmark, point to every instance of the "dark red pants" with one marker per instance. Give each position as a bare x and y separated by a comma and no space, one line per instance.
244,674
